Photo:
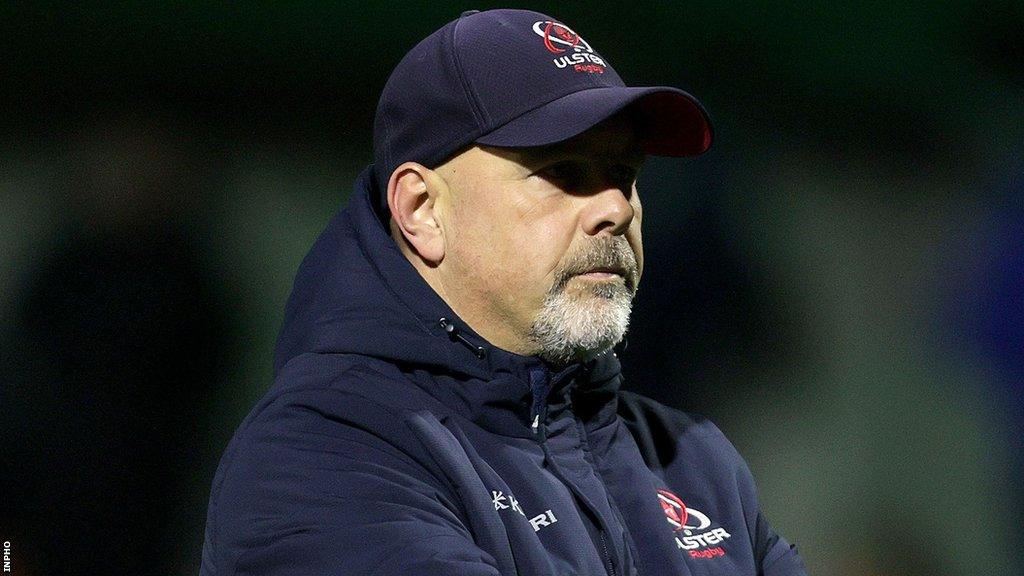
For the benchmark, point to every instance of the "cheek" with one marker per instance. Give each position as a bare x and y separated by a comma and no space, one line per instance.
509,244
635,232
473,242
492,245
532,252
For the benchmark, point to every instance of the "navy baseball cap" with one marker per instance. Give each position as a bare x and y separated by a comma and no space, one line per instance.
516,78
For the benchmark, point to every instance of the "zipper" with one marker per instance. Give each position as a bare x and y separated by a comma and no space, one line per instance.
585,446
541,382
602,549
607,555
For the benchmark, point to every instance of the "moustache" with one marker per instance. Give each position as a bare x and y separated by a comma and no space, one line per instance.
611,254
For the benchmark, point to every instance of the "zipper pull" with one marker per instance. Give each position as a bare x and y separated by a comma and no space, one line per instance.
540,385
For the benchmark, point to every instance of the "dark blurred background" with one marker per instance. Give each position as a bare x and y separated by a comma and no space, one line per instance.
838,284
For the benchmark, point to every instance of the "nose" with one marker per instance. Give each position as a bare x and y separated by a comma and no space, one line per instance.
608,211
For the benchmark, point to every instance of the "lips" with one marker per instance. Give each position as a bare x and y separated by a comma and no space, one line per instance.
608,273
603,274
609,270
600,272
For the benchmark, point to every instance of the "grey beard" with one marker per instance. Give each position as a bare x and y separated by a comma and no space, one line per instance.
580,326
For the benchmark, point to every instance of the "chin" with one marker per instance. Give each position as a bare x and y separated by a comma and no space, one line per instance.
578,327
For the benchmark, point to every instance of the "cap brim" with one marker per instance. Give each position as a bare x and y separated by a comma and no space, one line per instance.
673,122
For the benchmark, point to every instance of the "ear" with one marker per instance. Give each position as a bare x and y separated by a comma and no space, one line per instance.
413,194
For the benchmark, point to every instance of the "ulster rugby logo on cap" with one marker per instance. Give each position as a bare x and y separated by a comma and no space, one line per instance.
558,37
574,52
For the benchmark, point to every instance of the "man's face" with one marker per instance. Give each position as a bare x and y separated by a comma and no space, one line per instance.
542,245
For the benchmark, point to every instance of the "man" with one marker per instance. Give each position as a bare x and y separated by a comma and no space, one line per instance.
446,400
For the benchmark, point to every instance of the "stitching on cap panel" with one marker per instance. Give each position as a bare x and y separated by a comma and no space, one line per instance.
478,114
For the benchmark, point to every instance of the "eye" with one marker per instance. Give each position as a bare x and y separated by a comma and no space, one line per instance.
623,175
567,174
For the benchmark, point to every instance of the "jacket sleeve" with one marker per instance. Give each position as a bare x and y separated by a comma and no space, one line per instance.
303,490
778,557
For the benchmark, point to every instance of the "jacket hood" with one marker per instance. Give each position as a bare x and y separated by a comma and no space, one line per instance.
356,293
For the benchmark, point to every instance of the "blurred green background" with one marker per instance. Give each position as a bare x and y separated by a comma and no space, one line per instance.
838,284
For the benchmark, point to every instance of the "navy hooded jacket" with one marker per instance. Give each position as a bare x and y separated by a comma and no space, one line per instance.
397,441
